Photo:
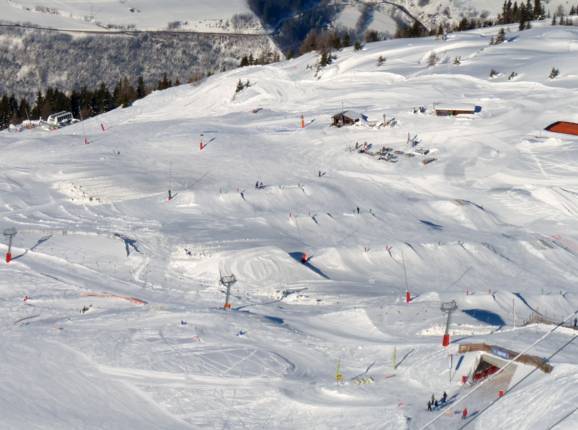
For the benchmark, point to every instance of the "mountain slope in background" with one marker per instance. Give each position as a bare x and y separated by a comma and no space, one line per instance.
92,45
222,16
385,16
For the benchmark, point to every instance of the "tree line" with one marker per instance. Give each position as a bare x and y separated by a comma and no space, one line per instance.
83,103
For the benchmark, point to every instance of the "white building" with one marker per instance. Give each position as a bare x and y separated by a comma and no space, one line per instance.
60,119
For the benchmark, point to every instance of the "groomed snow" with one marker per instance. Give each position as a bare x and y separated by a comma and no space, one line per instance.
488,221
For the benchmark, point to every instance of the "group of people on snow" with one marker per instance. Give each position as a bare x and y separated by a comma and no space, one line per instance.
434,403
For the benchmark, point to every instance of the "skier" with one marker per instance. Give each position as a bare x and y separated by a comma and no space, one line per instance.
358,210
436,404
433,399
465,413
257,185
575,322
429,406
170,195
444,397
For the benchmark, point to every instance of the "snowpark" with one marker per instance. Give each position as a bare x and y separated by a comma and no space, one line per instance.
111,305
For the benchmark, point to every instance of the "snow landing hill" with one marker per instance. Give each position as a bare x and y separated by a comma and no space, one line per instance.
490,223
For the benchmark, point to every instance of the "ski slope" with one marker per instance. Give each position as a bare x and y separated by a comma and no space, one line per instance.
111,307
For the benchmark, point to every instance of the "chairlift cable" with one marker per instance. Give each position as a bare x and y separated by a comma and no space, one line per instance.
508,364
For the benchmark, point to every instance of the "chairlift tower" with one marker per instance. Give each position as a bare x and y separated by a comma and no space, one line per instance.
227,282
9,234
448,308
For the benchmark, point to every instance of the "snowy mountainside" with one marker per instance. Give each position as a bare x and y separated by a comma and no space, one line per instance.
116,288
68,45
384,16
435,12
221,16
66,62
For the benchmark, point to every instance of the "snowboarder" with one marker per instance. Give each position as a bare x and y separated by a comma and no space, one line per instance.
575,322
465,413
444,397
358,210
257,185
429,406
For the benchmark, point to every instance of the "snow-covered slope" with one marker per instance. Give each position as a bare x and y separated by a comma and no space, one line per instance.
221,16
385,15
490,223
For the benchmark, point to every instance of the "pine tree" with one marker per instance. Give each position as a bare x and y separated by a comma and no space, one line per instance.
501,37
538,10
371,36
523,17
346,40
529,10
240,87
141,90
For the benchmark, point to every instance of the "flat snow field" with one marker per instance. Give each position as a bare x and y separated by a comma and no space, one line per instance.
112,311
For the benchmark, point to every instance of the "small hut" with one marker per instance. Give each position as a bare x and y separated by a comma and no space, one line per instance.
506,354
456,109
348,117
